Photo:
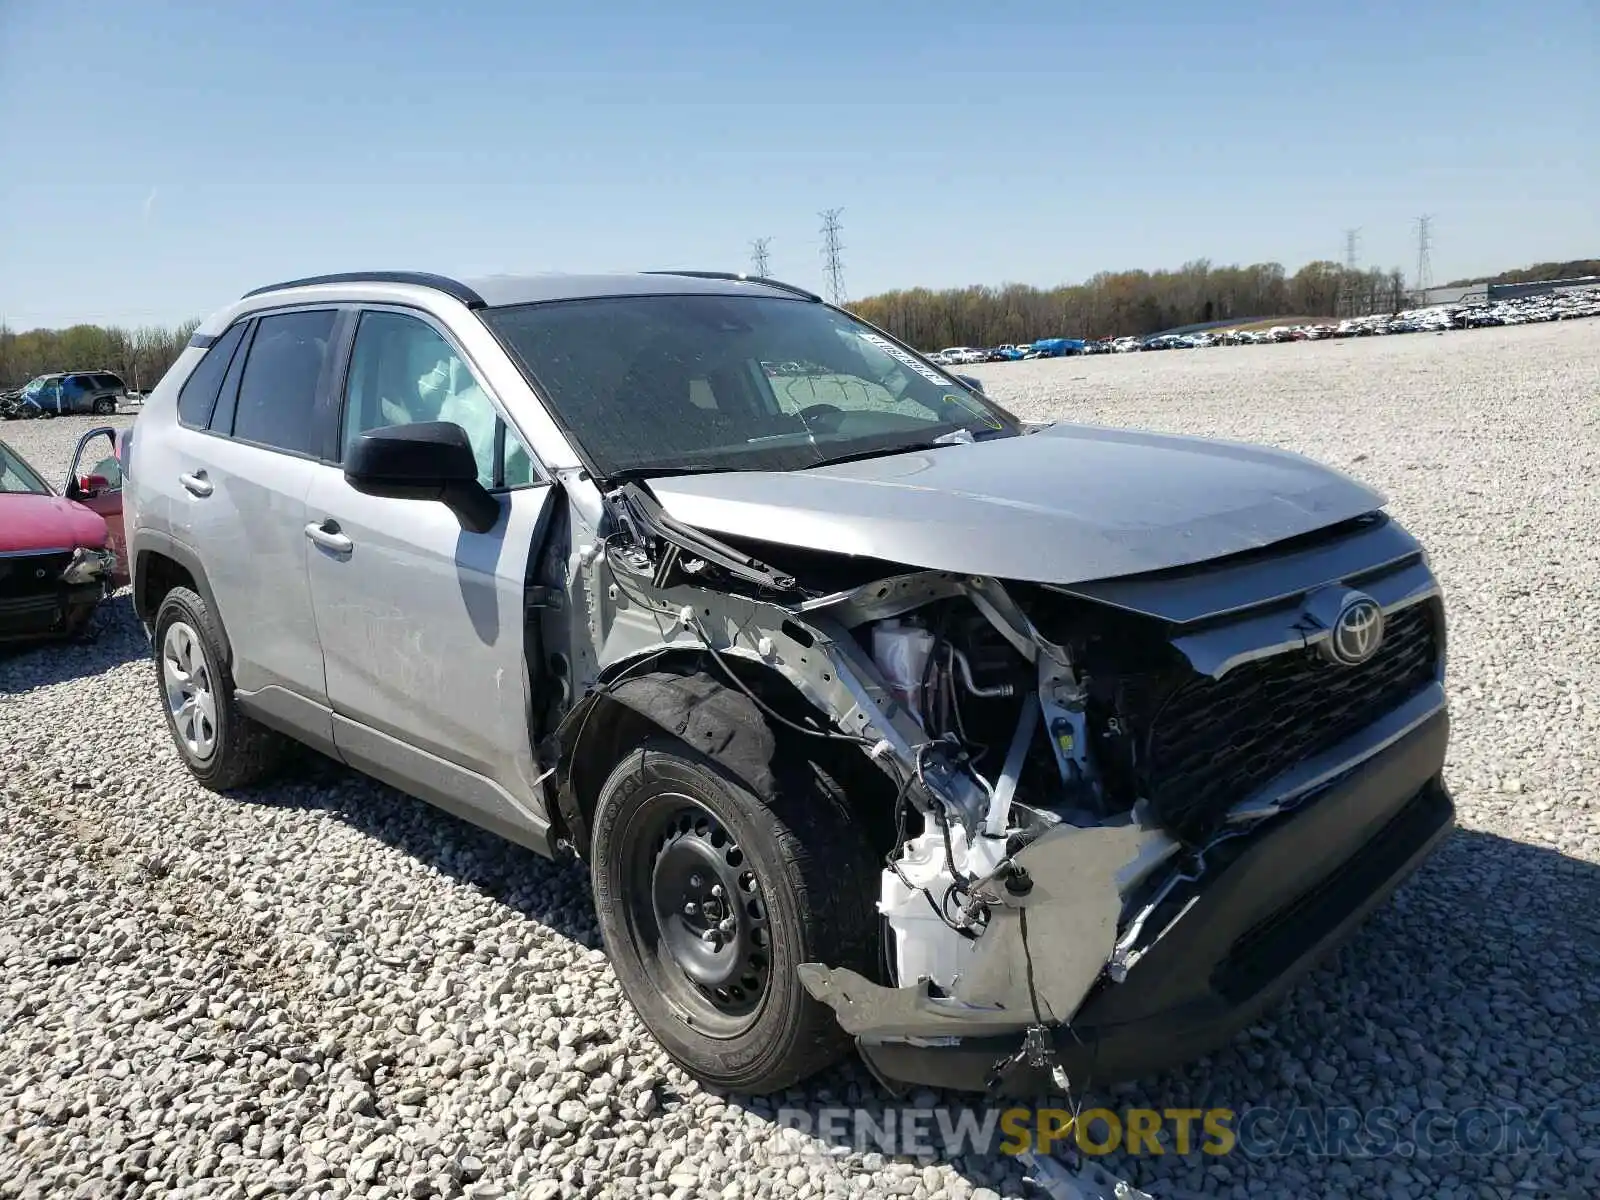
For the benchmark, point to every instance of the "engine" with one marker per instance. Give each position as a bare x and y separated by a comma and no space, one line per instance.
969,686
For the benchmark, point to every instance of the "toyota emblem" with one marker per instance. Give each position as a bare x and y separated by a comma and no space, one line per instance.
1357,632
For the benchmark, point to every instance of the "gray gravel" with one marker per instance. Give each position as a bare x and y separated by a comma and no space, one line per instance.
325,988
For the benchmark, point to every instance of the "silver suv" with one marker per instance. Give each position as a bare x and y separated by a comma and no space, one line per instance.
1008,752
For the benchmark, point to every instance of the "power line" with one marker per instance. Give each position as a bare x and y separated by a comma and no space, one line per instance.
1424,255
758,257
832,249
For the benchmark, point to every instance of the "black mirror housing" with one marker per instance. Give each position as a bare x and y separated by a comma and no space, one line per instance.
429,460
974,383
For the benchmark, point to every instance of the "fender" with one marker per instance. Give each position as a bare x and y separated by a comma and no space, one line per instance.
143,544
716,720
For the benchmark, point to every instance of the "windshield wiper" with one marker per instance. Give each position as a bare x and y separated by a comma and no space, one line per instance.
636,474
956,437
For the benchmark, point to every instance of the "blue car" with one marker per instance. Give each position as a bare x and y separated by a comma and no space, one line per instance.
96,392
1055,347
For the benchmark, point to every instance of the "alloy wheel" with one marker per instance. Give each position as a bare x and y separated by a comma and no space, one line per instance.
191,699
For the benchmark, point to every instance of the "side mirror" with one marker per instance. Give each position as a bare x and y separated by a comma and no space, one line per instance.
430,460
974,383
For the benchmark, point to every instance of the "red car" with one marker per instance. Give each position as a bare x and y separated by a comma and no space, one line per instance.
58,556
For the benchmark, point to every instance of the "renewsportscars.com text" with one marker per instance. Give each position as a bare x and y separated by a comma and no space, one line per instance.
1258,1132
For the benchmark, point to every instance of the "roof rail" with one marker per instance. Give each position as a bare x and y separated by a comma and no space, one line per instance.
772,283
439,283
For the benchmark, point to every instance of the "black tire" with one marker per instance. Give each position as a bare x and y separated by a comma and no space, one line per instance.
815,883
244,752
105,407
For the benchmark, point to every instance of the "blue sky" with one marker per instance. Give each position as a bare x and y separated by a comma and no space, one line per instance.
162,157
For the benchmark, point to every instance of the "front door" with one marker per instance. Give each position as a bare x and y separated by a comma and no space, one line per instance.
422,623
95,481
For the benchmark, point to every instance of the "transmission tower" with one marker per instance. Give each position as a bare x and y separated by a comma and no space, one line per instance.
1424,259
758,257
1348,286
832,263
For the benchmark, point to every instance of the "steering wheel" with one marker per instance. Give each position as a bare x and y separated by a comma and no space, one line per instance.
831,413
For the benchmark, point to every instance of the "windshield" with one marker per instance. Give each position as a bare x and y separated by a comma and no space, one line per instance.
686,383
18,476
35,386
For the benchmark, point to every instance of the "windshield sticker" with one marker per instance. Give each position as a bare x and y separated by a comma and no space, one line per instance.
976,409
900,356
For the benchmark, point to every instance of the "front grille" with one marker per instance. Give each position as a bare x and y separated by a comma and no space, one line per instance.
30,576
1214,741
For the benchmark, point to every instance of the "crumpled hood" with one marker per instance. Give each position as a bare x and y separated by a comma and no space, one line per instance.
1067,504
31,522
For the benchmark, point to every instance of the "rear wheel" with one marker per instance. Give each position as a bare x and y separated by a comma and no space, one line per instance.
221,746
711,895
105,407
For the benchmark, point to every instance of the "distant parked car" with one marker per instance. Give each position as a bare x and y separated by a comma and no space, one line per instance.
1055,347
60,395
961,355
55,558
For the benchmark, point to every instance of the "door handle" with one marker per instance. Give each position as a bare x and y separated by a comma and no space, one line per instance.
326,534
196,484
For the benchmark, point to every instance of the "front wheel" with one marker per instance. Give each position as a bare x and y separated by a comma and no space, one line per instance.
710,896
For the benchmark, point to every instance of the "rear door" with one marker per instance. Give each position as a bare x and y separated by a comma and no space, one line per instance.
246,456
423,623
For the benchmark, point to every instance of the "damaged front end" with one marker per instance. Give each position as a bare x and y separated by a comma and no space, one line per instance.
1103,792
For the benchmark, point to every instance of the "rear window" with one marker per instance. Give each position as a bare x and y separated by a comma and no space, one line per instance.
199,392
278,392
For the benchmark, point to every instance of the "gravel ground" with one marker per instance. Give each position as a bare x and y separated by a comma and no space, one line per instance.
322,987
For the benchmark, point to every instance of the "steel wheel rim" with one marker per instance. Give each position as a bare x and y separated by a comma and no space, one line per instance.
692,879
191,700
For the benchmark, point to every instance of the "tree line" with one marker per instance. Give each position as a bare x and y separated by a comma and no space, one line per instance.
1111,304
1121,303
140,356
1577,268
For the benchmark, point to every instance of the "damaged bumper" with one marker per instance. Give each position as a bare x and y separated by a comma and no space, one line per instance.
46,613
1269,906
